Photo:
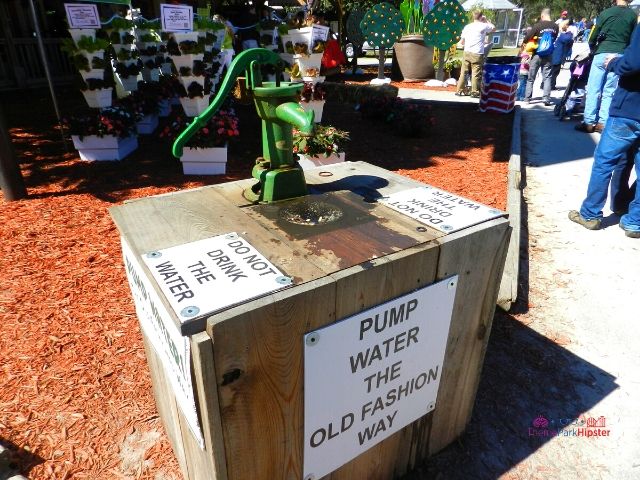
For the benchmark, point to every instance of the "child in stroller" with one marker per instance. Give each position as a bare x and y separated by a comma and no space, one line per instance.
572,101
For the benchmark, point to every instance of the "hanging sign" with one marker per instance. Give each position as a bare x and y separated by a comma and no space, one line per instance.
209,275
173,349
439,209
176,18
370,375
82,16
319,32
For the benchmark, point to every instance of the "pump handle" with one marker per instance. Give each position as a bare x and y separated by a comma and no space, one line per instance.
239,65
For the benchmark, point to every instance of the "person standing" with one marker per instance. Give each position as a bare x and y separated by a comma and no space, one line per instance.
546,31
619,140
561,50
610,35
472,38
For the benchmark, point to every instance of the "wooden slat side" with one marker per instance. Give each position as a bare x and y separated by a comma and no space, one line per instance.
204,376
477,255
259,357
363,287
166,404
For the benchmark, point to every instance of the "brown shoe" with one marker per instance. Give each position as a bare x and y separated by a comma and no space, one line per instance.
585,127
593,224
598,128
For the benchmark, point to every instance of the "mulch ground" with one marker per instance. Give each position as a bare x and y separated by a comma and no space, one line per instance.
76,399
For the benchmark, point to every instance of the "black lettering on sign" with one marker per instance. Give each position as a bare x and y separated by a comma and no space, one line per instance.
391,317
177,285
457,200
383,376
225,265
377,427
382,350
201,273
319,436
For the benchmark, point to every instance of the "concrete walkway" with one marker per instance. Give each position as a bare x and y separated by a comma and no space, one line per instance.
569,352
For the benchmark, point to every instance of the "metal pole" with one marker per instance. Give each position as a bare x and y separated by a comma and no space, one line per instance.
11,182
45,64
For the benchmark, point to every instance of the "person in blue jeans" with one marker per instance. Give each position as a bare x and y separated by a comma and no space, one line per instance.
610,35
619,140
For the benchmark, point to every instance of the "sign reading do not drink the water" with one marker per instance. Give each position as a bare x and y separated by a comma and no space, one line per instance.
370,375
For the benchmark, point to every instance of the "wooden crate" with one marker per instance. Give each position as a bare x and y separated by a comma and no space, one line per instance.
247,361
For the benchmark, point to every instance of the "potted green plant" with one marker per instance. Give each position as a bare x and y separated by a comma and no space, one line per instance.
206,152
324,147
106,135
144,105
96,93
453,66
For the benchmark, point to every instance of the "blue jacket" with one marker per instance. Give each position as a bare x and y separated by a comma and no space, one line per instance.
561,48
626,99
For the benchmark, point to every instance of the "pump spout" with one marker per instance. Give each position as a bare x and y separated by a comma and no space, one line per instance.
295,115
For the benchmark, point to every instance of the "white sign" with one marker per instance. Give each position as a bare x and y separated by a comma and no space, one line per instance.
319,32
82,16
173,349
176,18
209,275
372,374
439,209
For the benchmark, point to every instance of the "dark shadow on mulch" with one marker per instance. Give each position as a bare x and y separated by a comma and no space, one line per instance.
525,376
16,460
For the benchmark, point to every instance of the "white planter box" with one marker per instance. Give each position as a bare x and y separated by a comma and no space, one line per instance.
89,56
78,33
151,74
189,79
98,98
317,106
164,108
129,84
184,37
93,73
204,161
307,62
194,106
185,60
147,125
108,148
165,68
313,80
311,162
118,47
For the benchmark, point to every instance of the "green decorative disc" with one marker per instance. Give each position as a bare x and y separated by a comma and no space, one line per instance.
353,27
382,25
443,24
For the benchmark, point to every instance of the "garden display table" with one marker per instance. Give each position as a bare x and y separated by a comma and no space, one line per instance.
339,333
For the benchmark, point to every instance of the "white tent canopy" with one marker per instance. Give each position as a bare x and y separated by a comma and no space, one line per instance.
490,4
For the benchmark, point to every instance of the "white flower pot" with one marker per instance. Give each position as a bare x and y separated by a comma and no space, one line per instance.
194,106
93,73
78,33
151,74
165,68
313,80
301,35
188,80
164,108
98,98
89,56
118,47
204,161
185,60
317,106
307,162
94,148
307,62
187,36
147,125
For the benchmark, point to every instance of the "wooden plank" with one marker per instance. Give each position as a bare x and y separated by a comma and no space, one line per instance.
382,280
166,404
204,375
258,354
477,255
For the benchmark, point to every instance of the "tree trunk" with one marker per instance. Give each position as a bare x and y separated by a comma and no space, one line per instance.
11,181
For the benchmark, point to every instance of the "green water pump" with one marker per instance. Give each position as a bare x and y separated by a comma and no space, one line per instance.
279,175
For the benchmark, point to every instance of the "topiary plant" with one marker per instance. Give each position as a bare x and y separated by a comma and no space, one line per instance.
382,26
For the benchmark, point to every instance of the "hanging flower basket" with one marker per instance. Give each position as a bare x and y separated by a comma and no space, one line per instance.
107,148
97,73
186,60
194,106
307,162
99,98
204,161
78,33
317,106
147,125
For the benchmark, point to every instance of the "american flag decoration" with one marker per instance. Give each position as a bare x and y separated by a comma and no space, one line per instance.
499,86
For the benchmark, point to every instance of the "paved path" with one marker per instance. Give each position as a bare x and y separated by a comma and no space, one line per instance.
571,352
